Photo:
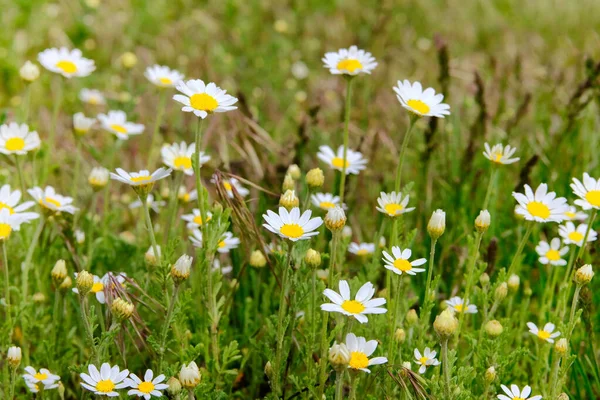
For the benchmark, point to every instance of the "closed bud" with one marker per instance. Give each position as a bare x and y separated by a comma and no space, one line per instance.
584,275
445,324
84,283
257,259
121,309
437,224
14,356
39,297
563,396
482,222
189,375
59,272
289,200
29,72
312,258
269,370
294,171
288,183
484,280
406,364
513,283
501,292
66,284
400,335
335,219
174,387
98,178
493,328
180,271
490,374
315,178
561,346
411,317
339,356
152,258
129,60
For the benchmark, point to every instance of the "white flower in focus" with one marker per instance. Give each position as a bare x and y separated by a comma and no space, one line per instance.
551,253
360,350
162,76
68,63
541,206
588,192
547,334
398,262
106,381
423,103
146,388
351,61
500,154
116,123
203,99
393,204
291,225
354,160
358,308
427,359
572,235
17,139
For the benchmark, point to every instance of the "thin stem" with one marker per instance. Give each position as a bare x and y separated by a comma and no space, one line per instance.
199,187
159,116
446,368
6,284
88,328
144,199
54,125
346,136
190,395
395,316
587,232
490,188
20,174
167,325
339,385
32,246
77,166
573,309
277,385
469,287
173,206
58,315
427,295
515,259
405,141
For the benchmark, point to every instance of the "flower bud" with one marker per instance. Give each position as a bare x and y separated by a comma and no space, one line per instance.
315,178
39,297
257,259
339,356
482,222
563,396
66,284
346,232
400,335
493,328
501,292
289,200
437,224
294,171
323,274
29,72
14,356
269,370
84,283
180,271
561,346
98,178
189,375
411,317
484,280
59,272
335,219
174,387
513,283
288,183
584,275
407,365
490,374
79,236
445,324
150,257
121,309
527,291
129,60
312,258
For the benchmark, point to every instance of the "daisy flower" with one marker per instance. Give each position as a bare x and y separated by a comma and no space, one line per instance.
162,76
500,154
68,63
10,200
572,235
354,160
105,381
202,99
116,123
423,103
291,225
231,184
551,253
97,288
185,196
226,269
588,192
194,220
325,201
572,214
228,241
50,200
361,249
148,387
352,61
153,204
92,96
393,204
82,124
541,206
398,262
546,334
358,308
458,305
515,394
427,359
178,156
360,350
17,139
140,178
35,387
8,223
42,376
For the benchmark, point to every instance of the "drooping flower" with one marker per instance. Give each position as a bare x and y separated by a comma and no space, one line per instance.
500,154
423,103
546,334
17,139
398,262
162,76
363,302
352,61
203,99
427,359
68,63
588,192
393,204
541,206
106,381
116,123
360,350
552,253
291,225
354,160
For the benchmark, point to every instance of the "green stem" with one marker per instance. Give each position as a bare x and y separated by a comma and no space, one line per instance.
20,174
159,116
6,285
11,390
587,232
58,315
573,309
173,206
395,316
339,385
490,188
30,251
446,368
190,395
26,102
277,384
515,259
470,273
143,199
405,141
54,125
346,136
88,328
167,325
199,187
427,297
77,166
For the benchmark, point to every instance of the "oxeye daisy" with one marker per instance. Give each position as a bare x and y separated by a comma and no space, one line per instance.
547,334
194,219
423,103
360,349
82,124
515,394
398,262
8,223
225,245
150,201
35,387
231,184
97,288
142,178
393,204
9,199
551,253
162,76
541,206
354,160
588,192
500,154
185,197
427,359
116,123
92,96
325,201
458,305
42,376
363,302
68,63
361,249
225,269
572,235
148,387
106,381
572,214
17,139
291,225
50,200
203,99
352,61
178,156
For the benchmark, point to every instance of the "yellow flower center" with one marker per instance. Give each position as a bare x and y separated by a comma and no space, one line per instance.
5,230
186,197
292,230
423,360
198,221
4,205
15,144
52,201
221,244
118,128
576,236
227,186
353,306
459,307
67,67
497,158
349,65
146,387
570,214
553,255
204,102
392,208
166,81
538,209
418,106
326,204
97,287
338,162
40,376
106,386
94,100
139,179
358,360
362,252
402,265
593,197
182,162
543,335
